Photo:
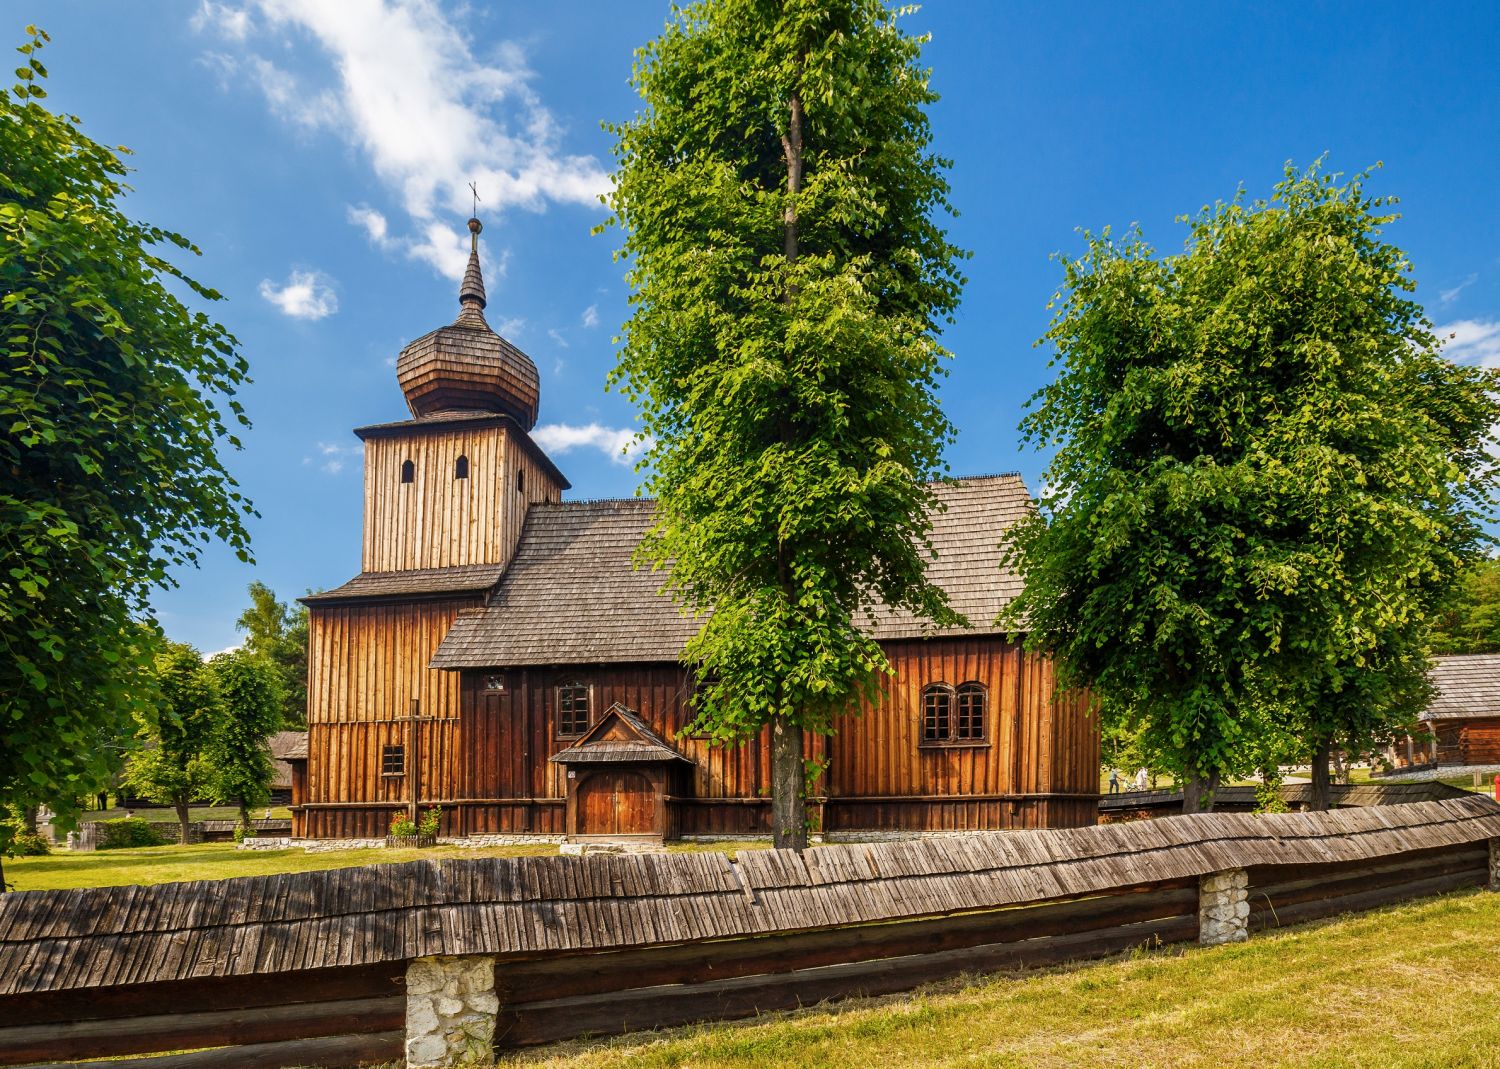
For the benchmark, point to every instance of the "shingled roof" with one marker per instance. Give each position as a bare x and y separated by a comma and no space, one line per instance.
1468,685
414,582
572,596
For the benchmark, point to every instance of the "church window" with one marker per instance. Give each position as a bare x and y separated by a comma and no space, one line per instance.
972,698
494,683
461,468
937,712
520,480
572,709
408,471
393,761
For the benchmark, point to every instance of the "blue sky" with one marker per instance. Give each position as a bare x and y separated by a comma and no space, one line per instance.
318,151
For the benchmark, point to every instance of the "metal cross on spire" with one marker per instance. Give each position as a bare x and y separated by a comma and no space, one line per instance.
474,190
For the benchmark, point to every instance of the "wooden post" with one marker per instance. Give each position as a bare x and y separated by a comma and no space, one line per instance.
414,773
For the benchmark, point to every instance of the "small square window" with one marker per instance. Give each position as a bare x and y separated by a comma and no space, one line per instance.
494,683
393,761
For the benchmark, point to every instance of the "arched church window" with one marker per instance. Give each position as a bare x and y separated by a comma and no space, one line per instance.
408,471
461,468
520,480
971,700
572,709
937,712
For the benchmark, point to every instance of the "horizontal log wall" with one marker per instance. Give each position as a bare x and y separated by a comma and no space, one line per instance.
437,521
345,1015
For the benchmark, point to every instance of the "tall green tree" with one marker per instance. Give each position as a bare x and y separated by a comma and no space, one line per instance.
1470,621
110,400
780,204
237,752
1266,477
277,631
170,764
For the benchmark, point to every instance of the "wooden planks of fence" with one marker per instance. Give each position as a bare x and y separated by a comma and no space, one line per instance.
309,968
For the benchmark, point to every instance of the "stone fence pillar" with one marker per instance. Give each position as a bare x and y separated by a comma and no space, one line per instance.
450,1012
1224,907
1495,864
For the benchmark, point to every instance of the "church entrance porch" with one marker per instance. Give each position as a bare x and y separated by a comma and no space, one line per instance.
619,777
616,803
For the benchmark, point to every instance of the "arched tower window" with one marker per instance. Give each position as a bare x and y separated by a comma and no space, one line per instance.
461,468
520,480
408,471
972,700
937,712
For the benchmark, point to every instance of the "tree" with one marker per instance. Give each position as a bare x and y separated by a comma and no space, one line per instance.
170,764
109,399
1266,478
278,631
789,281
1470,622
250,710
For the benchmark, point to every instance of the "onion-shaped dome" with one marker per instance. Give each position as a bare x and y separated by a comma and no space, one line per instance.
466,366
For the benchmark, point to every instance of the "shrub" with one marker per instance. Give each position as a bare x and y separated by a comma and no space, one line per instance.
241,833
25,844
402,828
127,832
430,821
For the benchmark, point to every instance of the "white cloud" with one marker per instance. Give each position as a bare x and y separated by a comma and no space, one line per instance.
372,222
218,653
222,19
591,316
332,458
304,295
1471,341
511,327
618,443
556,336
1449,296
430,116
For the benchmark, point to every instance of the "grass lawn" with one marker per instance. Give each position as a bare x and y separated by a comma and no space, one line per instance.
211,861
1410,987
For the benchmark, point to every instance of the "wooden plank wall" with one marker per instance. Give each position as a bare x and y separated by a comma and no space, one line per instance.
366,661
880,776
437,521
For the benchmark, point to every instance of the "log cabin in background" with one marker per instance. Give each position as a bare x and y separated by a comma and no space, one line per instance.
1460,728
499,656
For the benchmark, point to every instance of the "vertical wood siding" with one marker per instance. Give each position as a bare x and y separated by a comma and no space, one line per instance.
437,521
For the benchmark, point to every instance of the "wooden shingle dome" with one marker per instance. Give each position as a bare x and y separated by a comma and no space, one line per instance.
466,366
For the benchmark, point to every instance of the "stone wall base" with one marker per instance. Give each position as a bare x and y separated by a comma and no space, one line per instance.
1224,907
450,1012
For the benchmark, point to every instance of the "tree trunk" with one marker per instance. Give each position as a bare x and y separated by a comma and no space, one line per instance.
180,803
245,815
3,885
1319,801
1198,793
28,820
791,147
788,788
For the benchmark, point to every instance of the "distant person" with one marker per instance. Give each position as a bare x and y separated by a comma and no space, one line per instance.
1114,781
1142,779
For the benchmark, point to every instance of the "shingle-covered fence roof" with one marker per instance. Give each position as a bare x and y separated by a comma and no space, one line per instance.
1468,685
572,595
54,940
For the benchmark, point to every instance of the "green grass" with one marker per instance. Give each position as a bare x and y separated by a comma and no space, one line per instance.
211,861
1405,988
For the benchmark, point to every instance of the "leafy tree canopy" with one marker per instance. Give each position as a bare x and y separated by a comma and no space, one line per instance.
1266,476
277,631
1470,622
110,395
779,200
250,706
170,763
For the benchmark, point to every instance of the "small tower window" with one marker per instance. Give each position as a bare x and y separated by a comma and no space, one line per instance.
408,471
461,468
572,709
520,480
393,761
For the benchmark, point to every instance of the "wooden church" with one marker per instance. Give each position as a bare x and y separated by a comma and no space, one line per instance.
498,656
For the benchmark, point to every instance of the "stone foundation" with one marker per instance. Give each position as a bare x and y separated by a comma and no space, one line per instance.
450,1012
1224,907
1495,864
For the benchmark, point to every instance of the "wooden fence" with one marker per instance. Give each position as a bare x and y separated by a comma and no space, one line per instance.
311,968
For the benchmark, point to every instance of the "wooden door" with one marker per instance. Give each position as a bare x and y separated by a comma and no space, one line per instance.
617,803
